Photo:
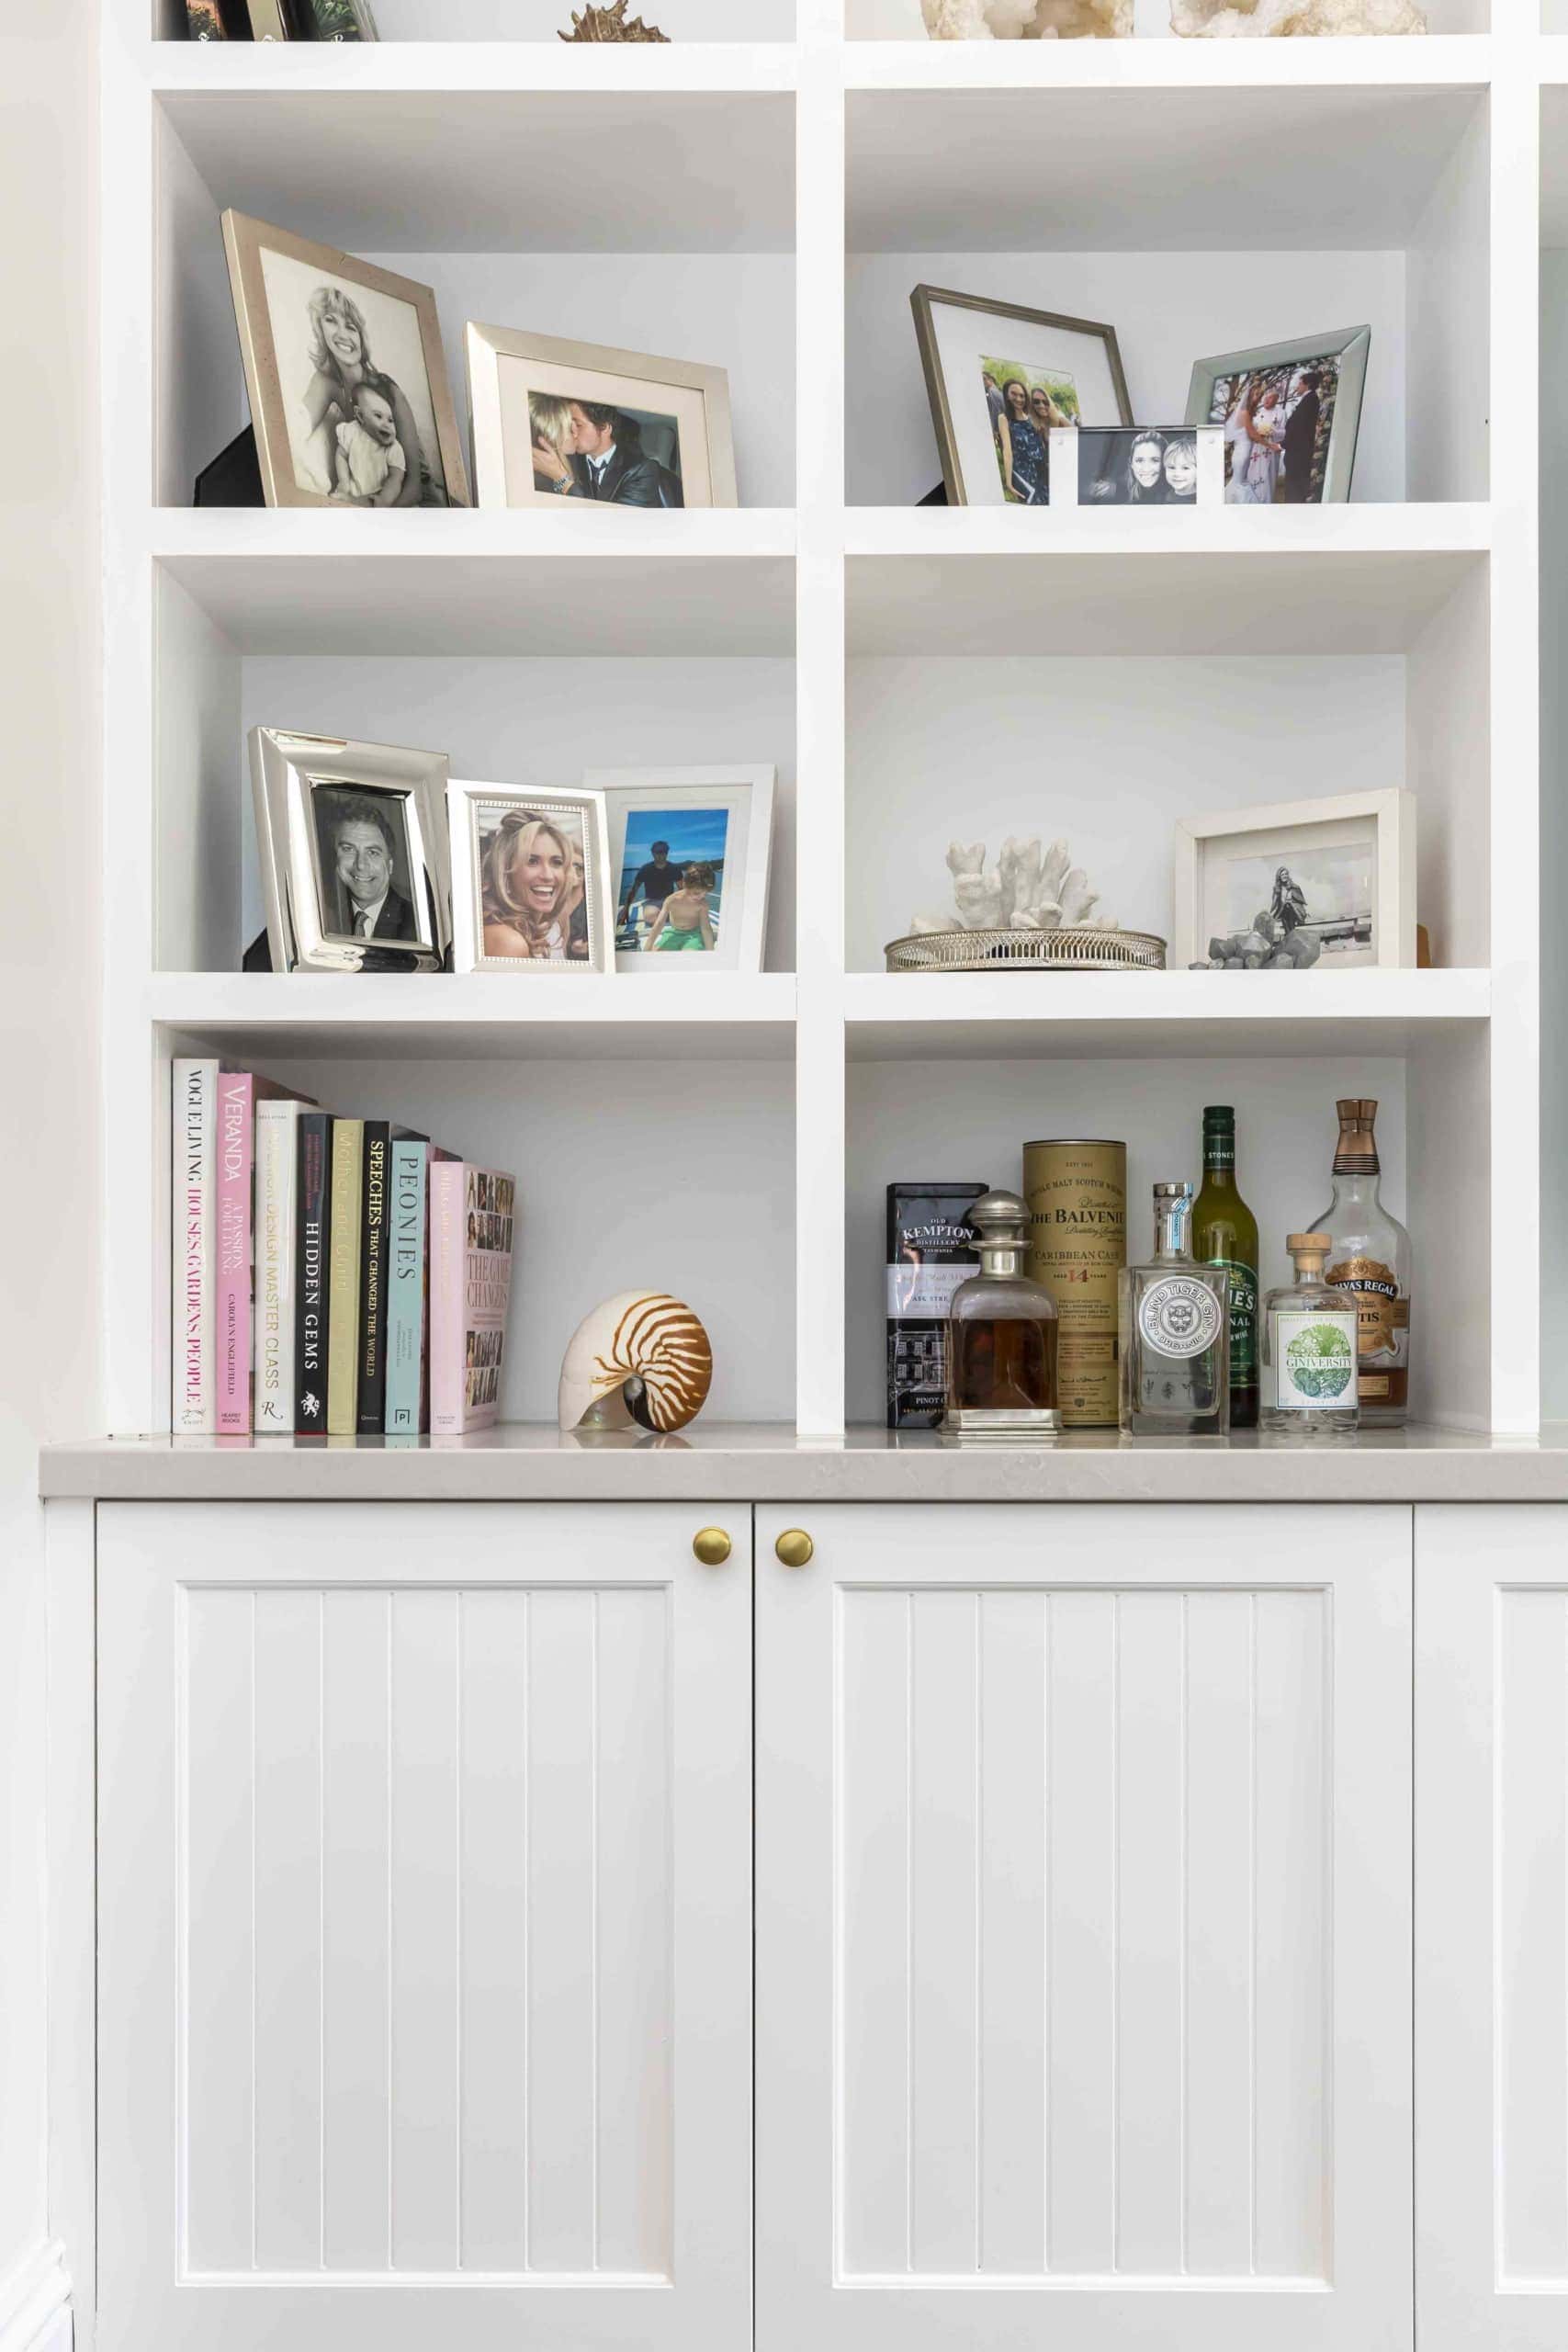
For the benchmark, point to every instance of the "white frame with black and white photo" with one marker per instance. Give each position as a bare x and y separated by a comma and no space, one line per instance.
962,337
1347,349
1092,464
396,310
743,796
573,813
1382,822
401,792
506,367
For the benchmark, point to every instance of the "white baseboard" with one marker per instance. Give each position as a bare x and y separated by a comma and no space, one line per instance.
35,2303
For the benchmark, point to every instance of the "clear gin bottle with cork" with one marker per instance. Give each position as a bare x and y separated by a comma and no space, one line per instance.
1175,1333
1309,1350
1368,1260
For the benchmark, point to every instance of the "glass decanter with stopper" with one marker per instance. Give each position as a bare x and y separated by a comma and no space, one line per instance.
1001,1335
1309,1350
1368,1259
1173,1326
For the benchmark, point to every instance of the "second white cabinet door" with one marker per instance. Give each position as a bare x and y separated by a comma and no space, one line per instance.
1083,1989
425,1930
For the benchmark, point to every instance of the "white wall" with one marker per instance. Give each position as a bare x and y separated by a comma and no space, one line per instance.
1554,830
48,966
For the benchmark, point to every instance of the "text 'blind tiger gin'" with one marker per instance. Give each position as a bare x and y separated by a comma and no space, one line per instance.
1368,1258
1076,1192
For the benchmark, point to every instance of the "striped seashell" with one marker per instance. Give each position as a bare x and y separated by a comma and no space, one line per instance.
642,1359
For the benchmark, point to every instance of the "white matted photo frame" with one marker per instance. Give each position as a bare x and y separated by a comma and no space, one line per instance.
1341,870
352,840
530,878
561,422
346,373
690,854
1289,412
999,377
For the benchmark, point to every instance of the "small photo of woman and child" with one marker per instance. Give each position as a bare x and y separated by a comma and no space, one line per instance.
672,881
1141,468
1024,403
533,882
1278,422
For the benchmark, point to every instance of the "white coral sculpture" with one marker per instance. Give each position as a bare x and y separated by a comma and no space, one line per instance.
1025,891
1293,19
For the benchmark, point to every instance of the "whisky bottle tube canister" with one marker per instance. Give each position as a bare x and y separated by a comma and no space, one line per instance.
1076,1192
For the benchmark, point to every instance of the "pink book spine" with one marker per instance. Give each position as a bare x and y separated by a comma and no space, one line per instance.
236,1139
448,1294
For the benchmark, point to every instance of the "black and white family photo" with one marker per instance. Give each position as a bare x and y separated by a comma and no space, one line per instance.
1277,425
1024,403
672,881
355,390
602,450
1138,469
364,862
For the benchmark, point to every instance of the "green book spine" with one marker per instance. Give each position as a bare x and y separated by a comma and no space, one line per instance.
343,1321
405,1289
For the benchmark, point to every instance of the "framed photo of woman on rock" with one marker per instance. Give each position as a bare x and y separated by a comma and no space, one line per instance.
346,373
557,421
530,878
1001,379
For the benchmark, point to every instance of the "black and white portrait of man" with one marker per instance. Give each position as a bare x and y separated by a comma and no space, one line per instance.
363,845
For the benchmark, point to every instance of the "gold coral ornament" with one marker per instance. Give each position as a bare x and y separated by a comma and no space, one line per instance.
642,1359
610,24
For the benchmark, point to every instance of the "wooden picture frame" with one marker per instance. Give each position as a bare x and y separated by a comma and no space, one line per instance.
954,427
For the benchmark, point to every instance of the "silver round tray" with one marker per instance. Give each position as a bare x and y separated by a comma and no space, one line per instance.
1027,951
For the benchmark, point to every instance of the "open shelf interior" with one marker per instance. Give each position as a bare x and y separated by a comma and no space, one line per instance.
1286,1128
1085,202
1554,738
552,211
544,20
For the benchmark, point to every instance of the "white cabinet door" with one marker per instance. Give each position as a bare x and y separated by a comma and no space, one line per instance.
424,1967
1083,1955
1491,1927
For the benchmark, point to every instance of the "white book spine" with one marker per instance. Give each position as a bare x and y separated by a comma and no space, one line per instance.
193,1402
277,1126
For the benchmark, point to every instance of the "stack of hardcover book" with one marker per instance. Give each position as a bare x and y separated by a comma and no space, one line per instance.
279,20
336,1276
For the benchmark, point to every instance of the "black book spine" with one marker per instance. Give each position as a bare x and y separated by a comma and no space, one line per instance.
312,1293
373,1280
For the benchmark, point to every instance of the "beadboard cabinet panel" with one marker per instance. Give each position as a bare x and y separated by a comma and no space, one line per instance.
1084,1929
394,1872
1491,1927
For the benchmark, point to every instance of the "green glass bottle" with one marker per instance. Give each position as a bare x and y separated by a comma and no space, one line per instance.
1224,1233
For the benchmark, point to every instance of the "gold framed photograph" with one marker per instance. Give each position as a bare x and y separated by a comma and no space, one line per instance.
556,420
1001,379
346,375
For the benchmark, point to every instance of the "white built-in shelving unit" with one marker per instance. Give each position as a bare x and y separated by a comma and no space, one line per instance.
765,204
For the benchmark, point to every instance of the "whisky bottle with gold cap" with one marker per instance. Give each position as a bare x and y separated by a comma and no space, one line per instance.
1368,1258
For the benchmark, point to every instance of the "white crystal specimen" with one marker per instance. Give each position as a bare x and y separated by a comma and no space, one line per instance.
1293,19
977,20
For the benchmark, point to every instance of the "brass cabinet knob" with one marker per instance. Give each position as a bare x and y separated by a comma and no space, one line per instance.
794,1547
712,1546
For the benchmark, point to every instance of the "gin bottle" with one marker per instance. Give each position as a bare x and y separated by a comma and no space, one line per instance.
1001,1335
1174,1324
1369,1260
1309,1350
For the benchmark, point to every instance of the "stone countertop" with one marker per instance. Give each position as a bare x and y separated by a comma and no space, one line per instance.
768,1463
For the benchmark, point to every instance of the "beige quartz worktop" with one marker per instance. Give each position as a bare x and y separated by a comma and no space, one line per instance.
768,1463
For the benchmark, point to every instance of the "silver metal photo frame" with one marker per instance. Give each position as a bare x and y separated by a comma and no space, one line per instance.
1282,367
352,839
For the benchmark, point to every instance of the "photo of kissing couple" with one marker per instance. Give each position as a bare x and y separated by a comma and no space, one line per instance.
598,449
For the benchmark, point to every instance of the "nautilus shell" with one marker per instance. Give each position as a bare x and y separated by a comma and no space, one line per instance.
642,1359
